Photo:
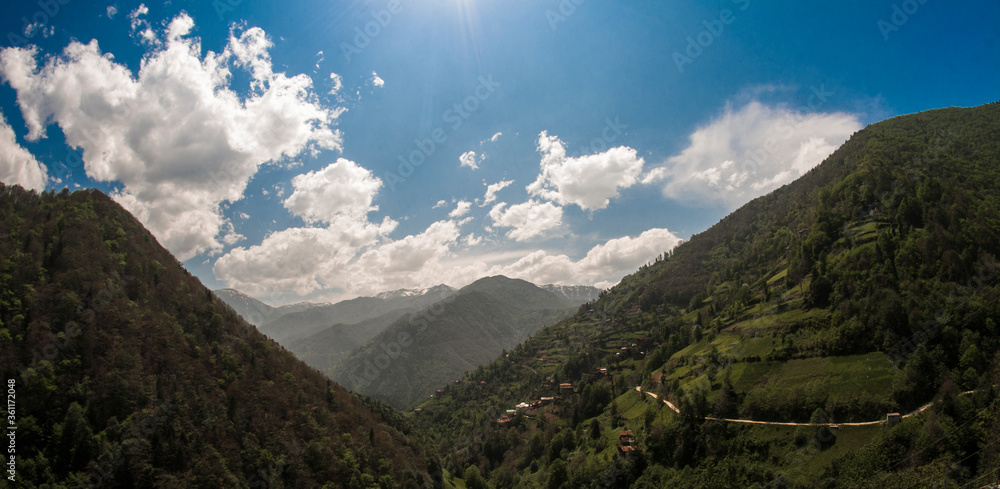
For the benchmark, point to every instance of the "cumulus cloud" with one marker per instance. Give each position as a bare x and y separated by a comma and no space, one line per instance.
175,135
414,259
18,165
307,260
377,81
589,181
494,137
461,209
492,189
747,152
297,259
470,159
440,203
112,10
528,220
604,265
341,188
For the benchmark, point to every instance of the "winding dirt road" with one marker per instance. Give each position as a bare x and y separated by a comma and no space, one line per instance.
778,423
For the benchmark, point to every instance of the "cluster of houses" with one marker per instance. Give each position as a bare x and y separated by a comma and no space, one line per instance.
522,408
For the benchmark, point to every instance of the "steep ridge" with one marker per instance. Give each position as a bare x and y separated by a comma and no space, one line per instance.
866,287
128,372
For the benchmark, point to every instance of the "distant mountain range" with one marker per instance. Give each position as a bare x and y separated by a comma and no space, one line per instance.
330,337
423,351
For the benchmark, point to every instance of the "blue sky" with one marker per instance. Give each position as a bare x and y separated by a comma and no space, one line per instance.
323,150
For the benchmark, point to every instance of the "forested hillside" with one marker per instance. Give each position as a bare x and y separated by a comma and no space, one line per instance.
128,372
868,286
422,352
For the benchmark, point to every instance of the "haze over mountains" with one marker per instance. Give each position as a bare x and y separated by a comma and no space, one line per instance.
470,326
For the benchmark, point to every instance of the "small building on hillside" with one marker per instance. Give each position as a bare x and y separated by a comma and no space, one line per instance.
626,442
892,419
566,387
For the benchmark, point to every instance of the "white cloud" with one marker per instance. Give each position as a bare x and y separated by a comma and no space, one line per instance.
18,165
529,220
415,259
32,30
747,152
492,138
492,189
470,159
307,260
461,209
296,259
176,136
338,83
377,82
440,203
112,10
589,181
342,188
604,265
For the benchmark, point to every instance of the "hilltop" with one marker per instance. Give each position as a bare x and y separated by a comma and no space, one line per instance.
128,372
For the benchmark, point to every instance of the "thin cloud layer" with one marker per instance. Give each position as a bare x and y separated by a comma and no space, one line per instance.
747,152
176,136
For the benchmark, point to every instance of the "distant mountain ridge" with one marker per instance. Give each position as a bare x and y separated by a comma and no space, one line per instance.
574,293
423,351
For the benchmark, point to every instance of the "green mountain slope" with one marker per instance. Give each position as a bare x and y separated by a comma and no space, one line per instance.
421,352
868,286
126,372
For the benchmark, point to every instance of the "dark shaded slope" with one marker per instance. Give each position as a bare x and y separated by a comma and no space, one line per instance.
129,373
